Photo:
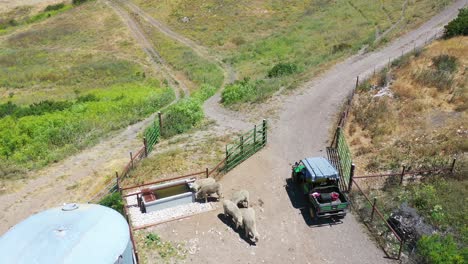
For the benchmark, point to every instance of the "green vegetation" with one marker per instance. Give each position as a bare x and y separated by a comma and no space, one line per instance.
458,26
441,75
114,201
79,2
79,50
34,139
306,35
187,113
9,21
281,69
437,249
166,250
183,59
421,127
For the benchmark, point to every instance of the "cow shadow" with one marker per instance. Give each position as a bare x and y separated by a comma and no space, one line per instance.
299,201
227,220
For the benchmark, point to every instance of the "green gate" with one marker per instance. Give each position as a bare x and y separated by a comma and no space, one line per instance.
152,134
340,156
247,145
345,156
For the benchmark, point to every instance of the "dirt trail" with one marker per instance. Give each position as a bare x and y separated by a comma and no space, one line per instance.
302,130
224,117
155,58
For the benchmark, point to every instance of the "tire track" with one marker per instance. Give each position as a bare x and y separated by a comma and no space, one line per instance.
156,59
224,117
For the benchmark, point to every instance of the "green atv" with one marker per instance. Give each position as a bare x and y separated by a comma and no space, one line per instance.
318,180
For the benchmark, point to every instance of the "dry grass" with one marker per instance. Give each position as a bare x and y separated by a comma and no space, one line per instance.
421,124
179,156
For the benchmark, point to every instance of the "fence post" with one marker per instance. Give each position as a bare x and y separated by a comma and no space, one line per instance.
160,123
401,248
351,175
402,174
242,145
337,136
357,82
206,172
255,138
145,143
131,158
264,131
453,166
117,181
373,209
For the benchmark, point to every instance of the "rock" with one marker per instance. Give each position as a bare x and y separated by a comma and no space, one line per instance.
185,19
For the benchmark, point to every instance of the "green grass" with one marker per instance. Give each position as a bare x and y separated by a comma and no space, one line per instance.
197,70
308,34
75,51
36,140
9,22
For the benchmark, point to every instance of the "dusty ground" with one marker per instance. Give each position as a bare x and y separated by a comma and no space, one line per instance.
301,130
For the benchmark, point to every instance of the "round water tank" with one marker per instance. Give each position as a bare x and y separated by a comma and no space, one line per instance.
74,233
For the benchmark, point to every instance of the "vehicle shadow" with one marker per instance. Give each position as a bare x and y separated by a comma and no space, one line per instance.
240,231
298,201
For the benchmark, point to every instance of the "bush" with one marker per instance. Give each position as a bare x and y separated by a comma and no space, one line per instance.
79,2
114,201
436,249
48,131
282,69
445,63
458,26
54,7
239,91
182,116
204,93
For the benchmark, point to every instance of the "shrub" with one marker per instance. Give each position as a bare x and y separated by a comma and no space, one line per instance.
204,92
439,79
458,26
340,47
54,7
445,63
239,91
282,69
436,249
114,201
182,116
79,2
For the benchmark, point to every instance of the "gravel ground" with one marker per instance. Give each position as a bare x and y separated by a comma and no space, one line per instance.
140,219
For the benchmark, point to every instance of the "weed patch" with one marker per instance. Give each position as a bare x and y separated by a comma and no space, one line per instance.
34,140
114,201
458,26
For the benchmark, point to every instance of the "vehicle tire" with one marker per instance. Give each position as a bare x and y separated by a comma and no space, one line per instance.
312,213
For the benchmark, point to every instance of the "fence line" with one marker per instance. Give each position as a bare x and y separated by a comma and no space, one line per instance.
249,143
381,216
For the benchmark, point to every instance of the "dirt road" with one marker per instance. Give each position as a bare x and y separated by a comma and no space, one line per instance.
301,131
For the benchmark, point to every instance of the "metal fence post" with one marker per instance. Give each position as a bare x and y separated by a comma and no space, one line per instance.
206,172
373,209
402,174
351,175
401,248
131,158
264,131
357,82
338,129
117,182
160,123
255,138
452,169
242,145
145,143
